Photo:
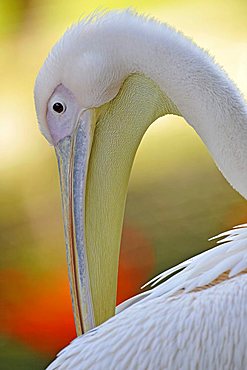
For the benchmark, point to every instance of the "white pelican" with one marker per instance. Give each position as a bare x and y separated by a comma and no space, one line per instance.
107,79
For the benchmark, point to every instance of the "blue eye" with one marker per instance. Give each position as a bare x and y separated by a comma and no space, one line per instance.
59,107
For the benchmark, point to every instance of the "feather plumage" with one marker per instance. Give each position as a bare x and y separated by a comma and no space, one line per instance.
174,326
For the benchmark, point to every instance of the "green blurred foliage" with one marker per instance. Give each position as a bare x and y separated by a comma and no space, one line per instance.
16,356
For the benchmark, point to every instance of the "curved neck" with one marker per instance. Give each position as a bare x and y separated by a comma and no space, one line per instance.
204,95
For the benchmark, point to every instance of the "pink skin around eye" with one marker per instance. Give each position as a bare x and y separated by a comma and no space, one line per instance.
62,124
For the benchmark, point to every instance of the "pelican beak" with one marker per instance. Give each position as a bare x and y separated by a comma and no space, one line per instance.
73,157
95,164
92,221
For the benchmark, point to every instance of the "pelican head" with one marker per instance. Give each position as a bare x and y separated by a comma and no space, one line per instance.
105,81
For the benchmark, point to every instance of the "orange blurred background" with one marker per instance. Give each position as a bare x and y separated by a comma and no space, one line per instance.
177,198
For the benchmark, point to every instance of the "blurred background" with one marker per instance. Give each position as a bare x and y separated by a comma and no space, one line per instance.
177,198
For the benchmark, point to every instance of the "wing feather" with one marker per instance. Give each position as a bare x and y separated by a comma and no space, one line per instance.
173,326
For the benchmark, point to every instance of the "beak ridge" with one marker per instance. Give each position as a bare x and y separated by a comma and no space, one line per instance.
73,155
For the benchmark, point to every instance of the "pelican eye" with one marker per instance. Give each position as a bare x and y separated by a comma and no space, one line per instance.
59,107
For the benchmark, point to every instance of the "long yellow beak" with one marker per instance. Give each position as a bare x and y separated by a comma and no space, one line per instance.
95,166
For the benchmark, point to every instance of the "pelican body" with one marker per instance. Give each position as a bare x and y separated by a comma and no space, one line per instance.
103,84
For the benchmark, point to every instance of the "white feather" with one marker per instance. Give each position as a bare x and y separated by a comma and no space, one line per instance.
172,327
